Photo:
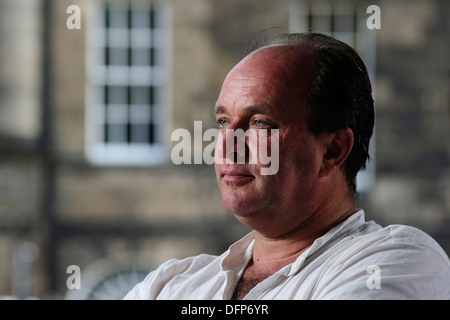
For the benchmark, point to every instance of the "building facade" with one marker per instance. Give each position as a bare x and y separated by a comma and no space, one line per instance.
89,188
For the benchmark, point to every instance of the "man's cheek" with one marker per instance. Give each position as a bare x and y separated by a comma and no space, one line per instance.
269,151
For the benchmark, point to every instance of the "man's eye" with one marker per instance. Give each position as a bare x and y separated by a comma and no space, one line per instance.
222,122
259,123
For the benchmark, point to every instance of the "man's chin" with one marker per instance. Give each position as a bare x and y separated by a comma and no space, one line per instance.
242,201
240,208
233,206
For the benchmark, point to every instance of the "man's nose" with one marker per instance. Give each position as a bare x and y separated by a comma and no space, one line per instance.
234,146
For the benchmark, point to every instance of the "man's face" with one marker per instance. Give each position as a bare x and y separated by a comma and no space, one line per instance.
262,92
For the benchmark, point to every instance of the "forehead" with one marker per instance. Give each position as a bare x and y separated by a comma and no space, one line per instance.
269,76
290,60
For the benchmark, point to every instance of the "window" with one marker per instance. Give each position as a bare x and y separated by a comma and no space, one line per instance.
128,80
346,21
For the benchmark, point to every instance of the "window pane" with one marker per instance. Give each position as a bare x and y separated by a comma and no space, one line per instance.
343,23
140,133
118,56
321,23
118,17
140,57
140,18
140,95
117,133
116,95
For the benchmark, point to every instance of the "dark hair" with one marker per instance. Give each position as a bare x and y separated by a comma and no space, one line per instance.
340,96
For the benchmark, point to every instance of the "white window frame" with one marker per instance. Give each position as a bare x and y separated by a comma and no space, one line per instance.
333,15
115,126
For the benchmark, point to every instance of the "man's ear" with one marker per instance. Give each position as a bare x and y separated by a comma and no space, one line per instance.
337,147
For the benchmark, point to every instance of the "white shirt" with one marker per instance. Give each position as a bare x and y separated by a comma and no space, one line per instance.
354,260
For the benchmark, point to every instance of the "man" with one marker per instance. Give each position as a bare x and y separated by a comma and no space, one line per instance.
312,95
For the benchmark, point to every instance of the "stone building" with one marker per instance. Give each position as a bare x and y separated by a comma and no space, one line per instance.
87,184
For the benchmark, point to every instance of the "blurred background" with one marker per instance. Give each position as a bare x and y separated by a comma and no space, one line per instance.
86,117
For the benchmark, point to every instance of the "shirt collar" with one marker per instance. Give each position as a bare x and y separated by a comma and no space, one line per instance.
239,253
354,221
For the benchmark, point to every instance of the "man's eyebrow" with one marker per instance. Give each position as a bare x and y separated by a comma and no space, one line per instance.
259,109
219,109
256,109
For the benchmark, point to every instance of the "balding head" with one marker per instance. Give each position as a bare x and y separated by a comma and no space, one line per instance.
274,71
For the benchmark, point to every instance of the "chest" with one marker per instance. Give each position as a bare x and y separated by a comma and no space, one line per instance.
251,277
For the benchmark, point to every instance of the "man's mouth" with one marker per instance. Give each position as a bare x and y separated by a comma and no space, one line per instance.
236,176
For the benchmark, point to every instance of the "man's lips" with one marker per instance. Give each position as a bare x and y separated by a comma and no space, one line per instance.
236,176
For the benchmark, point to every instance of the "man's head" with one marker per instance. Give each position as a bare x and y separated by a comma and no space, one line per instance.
315,91
340,95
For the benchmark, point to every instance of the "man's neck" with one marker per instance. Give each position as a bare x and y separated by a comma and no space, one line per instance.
271,253
286,248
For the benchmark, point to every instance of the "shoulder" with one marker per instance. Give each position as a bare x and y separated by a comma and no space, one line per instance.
393,262
169,271
187,265
370,241
411,234
409,241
